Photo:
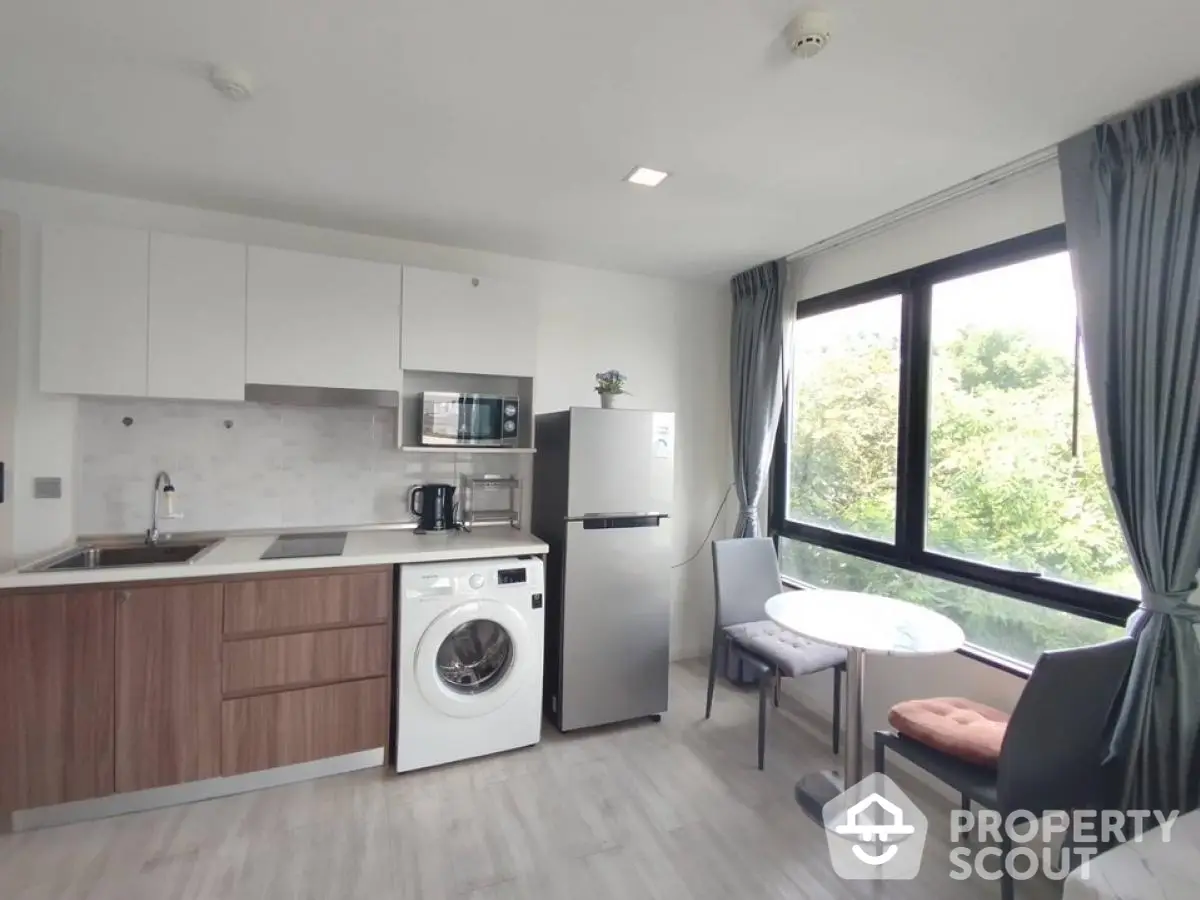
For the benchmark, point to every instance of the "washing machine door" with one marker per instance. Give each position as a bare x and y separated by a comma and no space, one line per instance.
473,658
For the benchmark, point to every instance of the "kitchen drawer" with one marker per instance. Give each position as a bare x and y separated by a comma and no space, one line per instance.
307,603
290,727
297,660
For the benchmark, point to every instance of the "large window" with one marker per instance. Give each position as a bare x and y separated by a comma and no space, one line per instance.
940,447
845,402
1005,627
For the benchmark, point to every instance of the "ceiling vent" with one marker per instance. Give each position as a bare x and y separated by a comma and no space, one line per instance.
808,33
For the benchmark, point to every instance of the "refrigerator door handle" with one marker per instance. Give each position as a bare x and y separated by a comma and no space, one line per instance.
617,515
619,520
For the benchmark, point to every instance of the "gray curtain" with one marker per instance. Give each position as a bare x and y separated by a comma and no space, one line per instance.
758,362
1132,193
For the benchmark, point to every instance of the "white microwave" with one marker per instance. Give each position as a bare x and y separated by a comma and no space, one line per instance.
469,420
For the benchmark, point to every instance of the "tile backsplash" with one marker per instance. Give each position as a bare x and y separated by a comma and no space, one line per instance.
246,465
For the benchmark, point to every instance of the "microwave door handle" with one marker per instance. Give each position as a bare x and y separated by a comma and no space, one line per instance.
488,427
468,420
478,431
484,425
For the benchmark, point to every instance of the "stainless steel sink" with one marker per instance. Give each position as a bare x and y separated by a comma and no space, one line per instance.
101,556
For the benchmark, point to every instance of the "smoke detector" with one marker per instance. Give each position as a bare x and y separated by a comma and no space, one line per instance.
808,33
231,82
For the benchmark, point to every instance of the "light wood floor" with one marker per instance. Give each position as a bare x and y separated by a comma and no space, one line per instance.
673,810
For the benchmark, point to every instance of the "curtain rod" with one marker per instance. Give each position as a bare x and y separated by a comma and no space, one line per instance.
970,186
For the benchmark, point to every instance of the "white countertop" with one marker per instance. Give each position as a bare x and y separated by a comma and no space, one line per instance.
240,555
1147,869
865,622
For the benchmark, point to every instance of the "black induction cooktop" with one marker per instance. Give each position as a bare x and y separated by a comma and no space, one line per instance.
296,546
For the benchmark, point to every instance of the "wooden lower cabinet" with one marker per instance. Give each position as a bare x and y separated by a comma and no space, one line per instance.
306,659
308,602
290,727
56,697
306,667
168,684
115,688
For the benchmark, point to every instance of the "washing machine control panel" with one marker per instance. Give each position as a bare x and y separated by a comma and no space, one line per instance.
511,576
441,583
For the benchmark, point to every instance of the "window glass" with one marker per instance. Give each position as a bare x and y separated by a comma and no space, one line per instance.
1015,479
475,656
1001,625
843,428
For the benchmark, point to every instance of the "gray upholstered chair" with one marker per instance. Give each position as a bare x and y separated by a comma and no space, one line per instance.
746,574
1052,753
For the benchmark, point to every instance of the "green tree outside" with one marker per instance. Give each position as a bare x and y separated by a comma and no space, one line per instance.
1006,486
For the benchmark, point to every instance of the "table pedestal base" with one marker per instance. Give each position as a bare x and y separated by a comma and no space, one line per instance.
816,789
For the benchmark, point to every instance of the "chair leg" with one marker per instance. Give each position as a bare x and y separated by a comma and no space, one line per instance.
764,685
880,748
1007,888
837,709
777,680
712,675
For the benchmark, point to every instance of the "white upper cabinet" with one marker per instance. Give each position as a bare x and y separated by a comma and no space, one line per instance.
322,321
460,323
197,327
127,312
94,293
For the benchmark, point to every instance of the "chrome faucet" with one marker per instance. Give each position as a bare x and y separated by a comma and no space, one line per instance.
161,480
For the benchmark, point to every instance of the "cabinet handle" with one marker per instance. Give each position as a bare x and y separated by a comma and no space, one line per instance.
122,596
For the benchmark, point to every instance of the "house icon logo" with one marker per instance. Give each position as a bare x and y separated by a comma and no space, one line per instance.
875,832
875,821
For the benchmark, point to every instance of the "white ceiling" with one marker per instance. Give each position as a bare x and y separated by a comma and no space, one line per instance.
508,125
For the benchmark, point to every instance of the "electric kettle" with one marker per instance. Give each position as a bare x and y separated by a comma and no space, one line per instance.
434,505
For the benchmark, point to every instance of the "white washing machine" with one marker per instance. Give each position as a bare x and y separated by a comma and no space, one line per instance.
469,660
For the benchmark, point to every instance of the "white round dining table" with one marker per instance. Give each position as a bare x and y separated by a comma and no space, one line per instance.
862,624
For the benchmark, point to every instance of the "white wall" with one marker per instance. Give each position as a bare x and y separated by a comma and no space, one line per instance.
9,343
1017,206
273,467
42,427
670,337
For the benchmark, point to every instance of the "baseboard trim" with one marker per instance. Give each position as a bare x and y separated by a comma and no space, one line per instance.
211,788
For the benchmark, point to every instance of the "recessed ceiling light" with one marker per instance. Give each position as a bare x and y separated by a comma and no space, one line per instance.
646,177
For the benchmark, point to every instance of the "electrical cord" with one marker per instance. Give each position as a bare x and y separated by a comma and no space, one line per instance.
713,525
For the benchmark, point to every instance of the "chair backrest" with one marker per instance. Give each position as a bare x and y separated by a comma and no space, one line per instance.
1054,746
746,575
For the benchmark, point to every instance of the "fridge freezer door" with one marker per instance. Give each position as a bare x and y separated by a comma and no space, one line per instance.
621,461
616,625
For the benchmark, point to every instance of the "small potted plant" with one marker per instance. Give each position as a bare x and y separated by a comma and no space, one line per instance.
609,385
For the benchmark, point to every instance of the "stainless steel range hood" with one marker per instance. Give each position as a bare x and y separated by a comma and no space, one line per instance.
291,395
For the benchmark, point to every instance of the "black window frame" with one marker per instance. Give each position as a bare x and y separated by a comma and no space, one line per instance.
908,551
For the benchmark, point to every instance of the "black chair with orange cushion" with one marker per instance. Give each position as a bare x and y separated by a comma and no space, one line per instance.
1046,756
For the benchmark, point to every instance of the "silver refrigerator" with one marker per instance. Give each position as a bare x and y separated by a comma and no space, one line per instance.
603,486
